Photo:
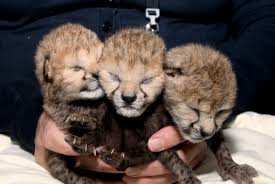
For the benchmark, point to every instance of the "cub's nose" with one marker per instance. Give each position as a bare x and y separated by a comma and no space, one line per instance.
95,76
128,99
206,134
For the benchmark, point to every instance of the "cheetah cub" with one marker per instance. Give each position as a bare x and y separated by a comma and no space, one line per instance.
67,70
132,76
200,93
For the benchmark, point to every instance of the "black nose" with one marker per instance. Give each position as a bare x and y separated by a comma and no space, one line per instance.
206,134
128,99
95,76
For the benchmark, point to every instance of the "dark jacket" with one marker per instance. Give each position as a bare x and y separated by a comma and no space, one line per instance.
242,29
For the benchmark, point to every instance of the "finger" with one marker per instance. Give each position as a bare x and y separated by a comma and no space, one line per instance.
165,138
41,156
95,164
53,138
191,153
154,168
167,179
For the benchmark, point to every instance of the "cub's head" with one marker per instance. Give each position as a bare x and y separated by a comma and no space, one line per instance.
67,63
200,90
131,70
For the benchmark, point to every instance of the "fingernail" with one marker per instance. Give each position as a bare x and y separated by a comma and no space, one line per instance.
155,144
132,171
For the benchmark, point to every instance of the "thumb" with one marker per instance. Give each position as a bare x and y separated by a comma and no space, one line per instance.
165,138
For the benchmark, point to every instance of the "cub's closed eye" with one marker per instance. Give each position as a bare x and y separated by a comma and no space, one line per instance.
95,76
172,72
223,112
77,68
147,80
196,111
114,77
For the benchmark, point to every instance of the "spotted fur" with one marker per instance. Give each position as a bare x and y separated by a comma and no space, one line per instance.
200,93
67,69
131,69
132,66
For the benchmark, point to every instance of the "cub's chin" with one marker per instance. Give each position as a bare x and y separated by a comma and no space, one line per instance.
193,135
130,112
193,139
91,94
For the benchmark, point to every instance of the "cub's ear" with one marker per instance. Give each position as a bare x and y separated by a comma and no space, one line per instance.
47,70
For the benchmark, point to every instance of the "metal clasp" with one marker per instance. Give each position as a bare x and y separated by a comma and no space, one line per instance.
152,14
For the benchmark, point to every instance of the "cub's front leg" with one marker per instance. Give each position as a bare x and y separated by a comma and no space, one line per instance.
228,169
62,168
171,160
80,133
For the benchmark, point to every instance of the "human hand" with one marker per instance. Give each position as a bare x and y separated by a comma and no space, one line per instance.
155,172
49,137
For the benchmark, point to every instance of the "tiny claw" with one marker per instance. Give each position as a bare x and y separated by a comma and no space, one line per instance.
86,147
68,119
82,122
94,151
99,148
112,151
74,141
123,155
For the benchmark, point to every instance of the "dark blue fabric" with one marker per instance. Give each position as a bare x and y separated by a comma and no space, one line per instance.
243,29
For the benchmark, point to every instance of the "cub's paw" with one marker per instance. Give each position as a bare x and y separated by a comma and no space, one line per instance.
189,180
82,122
240,174
112,157
80,146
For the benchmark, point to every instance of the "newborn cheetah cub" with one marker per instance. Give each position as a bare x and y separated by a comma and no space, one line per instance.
200,93
132,76
67,69
131,71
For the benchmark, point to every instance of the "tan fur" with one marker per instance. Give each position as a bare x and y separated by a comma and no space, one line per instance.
200,89
71,52
67,69
200,93
131,65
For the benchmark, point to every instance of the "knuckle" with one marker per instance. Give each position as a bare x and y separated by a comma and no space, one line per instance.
143,181
37,156
46,138
148,181
167,179
47,141
37,141
42,118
